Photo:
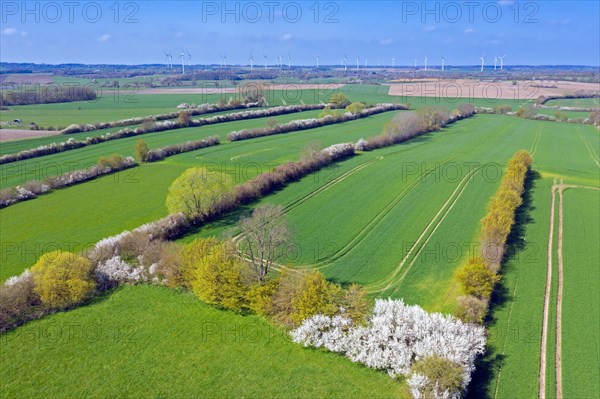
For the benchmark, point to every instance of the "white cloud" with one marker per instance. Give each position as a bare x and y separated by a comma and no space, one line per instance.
104,38
287,36
9,31
468,31
179,34
23,33
429,28
387,41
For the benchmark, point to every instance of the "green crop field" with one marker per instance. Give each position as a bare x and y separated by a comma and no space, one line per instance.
581,297
49,165
136,196
181,347
574,102
398,220
393,204
512,363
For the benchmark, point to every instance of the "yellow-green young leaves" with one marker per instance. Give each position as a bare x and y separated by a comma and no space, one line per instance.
197,191
63,279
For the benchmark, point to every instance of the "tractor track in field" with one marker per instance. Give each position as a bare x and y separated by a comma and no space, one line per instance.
446,207
328,185
377,219
559,296
546,314
589,147
536,141
557,188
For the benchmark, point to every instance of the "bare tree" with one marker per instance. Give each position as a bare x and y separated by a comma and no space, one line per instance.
265,234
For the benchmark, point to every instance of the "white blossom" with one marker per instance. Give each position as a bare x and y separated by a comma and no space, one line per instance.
395,337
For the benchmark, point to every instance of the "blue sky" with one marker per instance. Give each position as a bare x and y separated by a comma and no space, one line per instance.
528,32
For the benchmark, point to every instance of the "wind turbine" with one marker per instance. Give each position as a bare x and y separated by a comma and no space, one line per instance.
443,63
317,61
502,61
393,62
366,62
189,59
182,56
482,58
495,62
357,63
345,63
266,56
425,62
167,59
289,62
251,59
415,63
224,61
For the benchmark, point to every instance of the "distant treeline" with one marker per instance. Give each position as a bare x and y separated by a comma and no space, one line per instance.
40,94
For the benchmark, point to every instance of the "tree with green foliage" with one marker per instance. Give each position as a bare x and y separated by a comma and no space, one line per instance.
339,100
63,279
477,279
316,296
444,378
355,108
141,151
197,191
260,296
218,277
191,255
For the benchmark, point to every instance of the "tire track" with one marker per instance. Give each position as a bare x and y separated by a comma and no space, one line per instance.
416,245
544,341
536,141
405,273
361,235
589,147
559,296
326,186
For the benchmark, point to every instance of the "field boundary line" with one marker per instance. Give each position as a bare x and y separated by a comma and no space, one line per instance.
544,341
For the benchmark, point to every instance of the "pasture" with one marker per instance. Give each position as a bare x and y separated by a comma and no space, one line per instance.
168,344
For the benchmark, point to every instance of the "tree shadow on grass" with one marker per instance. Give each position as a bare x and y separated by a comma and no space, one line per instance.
488,366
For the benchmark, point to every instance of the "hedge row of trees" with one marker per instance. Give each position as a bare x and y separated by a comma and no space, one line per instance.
201,109
213,270
33,188
479,275
202,195
311,123
47,94
407,125
158,154
182,121
529,112
577,94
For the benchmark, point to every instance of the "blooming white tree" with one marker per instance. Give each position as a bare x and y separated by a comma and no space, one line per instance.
395,337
